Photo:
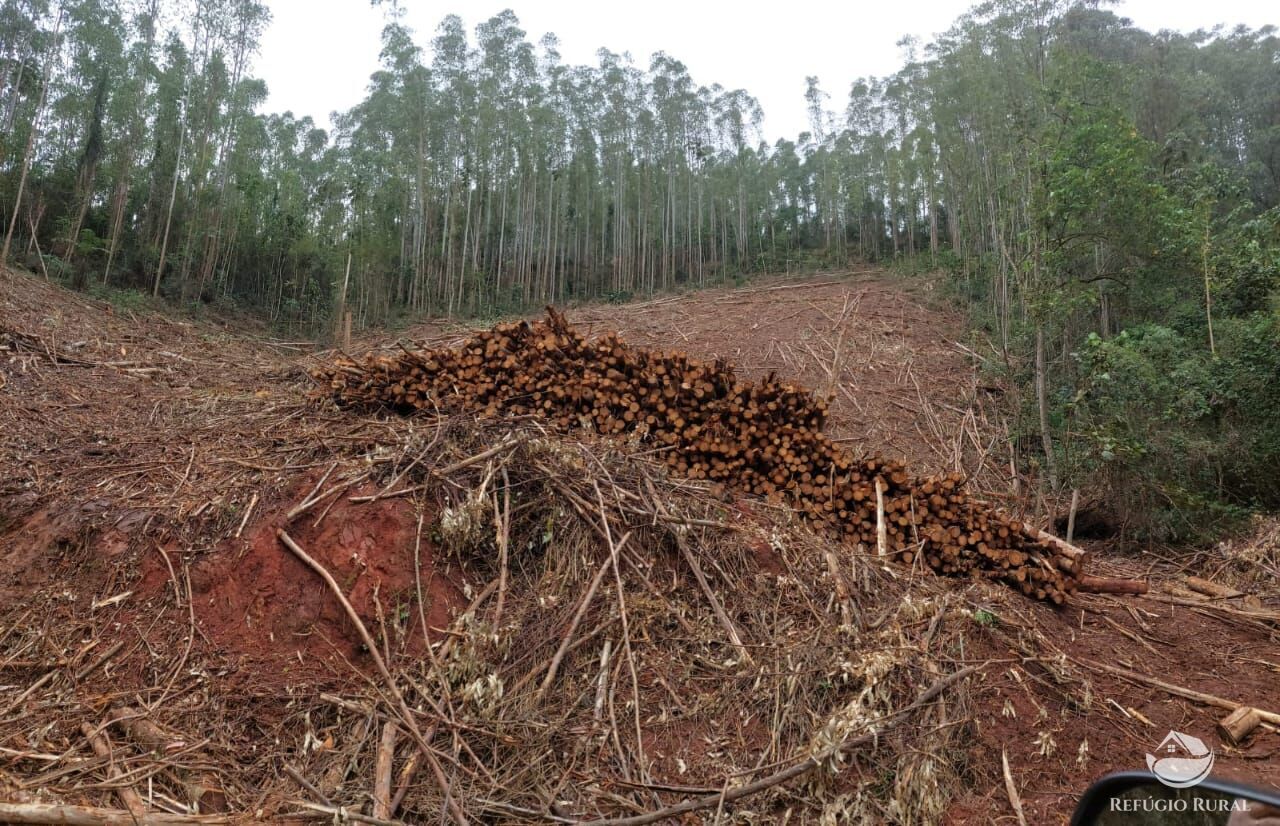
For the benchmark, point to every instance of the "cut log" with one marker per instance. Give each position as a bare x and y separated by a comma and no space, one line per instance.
1111,585
1213,589
1237,725
1079,556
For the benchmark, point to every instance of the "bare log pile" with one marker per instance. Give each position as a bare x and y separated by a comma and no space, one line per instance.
758,437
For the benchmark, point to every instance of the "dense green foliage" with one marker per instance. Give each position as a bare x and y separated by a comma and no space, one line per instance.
1104,199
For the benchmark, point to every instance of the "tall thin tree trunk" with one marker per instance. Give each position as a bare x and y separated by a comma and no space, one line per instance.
1042,405
31,139
168,220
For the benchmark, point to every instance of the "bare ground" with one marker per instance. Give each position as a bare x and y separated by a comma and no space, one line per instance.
149,462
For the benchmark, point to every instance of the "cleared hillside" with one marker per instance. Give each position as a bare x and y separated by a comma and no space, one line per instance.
550,627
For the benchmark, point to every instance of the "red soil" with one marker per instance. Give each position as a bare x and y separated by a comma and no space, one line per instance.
256,602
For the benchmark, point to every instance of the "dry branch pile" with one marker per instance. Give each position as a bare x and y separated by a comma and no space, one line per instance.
762,438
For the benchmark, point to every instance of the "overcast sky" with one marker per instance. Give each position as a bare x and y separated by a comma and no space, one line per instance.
317,55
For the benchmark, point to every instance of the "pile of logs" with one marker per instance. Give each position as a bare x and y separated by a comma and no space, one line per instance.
757,437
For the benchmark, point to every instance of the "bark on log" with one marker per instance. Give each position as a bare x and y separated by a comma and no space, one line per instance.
1237,725
1212,589
1112,585
382,772
91,816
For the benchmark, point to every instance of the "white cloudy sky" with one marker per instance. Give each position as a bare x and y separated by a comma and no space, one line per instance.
317,55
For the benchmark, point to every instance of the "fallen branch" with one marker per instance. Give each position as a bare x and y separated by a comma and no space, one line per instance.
405,780
91,816
79,675
306,784
128,797
382,771
248,511
744,657
204,788
889,722
1179,691
1211,605
1014,800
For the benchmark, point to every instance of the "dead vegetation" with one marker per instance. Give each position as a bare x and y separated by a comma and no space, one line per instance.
569,629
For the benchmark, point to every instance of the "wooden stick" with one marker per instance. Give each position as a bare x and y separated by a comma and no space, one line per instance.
1011,789
248,511
744,657
410,722
142,731
882,540
204,788
602,683
1179,691
887,724
111,651
1071,517
340,813
79,675
615,549
847,610
50,813
128,797
502,526
1209,605
305,783
306,500
382,772
404,780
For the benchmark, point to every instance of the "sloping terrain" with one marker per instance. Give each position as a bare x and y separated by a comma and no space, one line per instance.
550,627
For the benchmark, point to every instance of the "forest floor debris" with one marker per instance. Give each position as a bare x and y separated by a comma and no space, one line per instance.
142,578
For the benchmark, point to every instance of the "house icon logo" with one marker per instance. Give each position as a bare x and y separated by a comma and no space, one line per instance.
1181,760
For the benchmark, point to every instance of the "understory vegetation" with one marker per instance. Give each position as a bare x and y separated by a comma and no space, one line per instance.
1105,201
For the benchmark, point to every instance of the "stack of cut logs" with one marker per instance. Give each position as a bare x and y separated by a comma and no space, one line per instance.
759,437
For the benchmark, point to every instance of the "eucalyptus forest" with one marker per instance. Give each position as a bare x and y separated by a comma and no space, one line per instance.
1104,201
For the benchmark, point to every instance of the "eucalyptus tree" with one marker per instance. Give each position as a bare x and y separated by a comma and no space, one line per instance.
96,63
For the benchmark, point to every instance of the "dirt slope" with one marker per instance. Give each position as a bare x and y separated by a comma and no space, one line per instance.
148,463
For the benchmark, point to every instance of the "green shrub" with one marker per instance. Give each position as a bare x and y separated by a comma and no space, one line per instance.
1189,441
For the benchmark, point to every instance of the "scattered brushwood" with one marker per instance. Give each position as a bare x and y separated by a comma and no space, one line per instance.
611,625
753,437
